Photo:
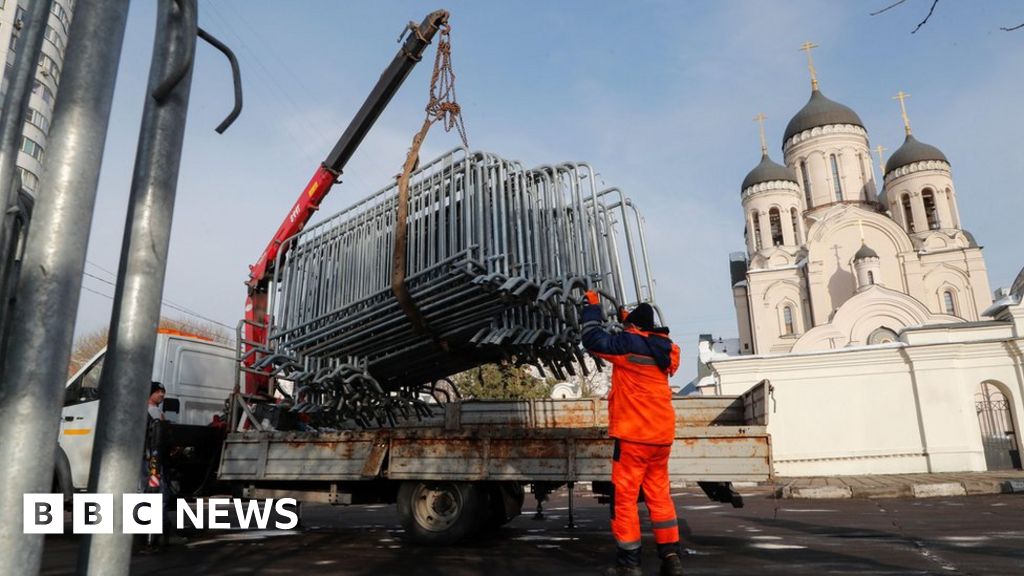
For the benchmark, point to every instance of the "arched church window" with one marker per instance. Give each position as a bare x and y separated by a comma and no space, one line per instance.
882,335
775,223
835,178
757,230
952,208
805,175
908,213
787,321
871,278
794,215
949,303
930,211
863,176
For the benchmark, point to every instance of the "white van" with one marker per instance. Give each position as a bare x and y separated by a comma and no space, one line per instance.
198,373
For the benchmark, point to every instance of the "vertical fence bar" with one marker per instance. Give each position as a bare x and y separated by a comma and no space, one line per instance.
19,89
35,363
124,383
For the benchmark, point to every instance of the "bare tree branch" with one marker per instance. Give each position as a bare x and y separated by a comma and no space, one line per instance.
889,7
930,10
929,15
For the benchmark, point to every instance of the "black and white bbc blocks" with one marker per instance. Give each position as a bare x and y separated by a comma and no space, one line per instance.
94,514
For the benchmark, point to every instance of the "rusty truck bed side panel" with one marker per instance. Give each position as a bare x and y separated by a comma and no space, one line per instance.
718,438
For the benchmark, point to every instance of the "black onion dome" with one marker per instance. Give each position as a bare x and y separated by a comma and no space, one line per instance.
864,252
913,150
820,111
767,171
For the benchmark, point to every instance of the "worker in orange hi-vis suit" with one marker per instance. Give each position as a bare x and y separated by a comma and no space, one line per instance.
642,422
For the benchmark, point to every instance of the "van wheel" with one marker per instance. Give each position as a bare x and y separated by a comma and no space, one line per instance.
440,513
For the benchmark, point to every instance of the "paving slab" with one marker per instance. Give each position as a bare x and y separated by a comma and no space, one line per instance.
936,489
931,485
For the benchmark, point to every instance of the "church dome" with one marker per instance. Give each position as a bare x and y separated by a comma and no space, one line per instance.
913,150
768,171
820,111
864,253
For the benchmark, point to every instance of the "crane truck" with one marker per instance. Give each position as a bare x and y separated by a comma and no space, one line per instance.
458,466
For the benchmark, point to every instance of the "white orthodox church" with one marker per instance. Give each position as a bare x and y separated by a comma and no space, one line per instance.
868,308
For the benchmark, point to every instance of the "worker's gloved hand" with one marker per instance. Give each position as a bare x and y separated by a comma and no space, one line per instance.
592,297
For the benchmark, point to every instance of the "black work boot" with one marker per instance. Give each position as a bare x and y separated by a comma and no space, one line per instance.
671,562
627,563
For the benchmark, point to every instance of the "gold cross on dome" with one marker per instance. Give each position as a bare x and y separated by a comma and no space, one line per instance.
807,47
902,96
881,159
760,118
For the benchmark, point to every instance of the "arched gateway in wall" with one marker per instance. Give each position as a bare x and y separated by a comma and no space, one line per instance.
998,433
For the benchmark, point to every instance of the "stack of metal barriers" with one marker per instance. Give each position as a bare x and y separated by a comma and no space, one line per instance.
498,257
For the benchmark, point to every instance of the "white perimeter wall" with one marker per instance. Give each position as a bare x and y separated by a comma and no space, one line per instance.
882,410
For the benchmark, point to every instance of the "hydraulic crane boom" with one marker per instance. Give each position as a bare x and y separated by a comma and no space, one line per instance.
256,320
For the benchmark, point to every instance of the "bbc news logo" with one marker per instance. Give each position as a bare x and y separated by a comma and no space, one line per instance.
143,514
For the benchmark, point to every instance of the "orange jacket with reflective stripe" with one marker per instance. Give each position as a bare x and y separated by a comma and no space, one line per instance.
640,402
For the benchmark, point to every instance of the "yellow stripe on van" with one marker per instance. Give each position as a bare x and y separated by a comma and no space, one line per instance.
77,431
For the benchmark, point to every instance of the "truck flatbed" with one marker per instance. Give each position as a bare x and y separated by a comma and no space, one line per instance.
718,439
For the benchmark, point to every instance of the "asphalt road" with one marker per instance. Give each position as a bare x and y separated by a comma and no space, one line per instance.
971,535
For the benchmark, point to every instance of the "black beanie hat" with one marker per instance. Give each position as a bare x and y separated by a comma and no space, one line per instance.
154,386
642,317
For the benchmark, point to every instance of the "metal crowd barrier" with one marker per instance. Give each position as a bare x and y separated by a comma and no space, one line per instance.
497,261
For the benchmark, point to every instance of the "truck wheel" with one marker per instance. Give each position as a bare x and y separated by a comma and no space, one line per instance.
505,503
440,513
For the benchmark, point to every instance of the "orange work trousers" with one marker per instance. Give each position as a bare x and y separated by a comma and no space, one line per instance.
636,466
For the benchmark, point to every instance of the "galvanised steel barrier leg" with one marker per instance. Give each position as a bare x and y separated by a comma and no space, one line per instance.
12,122
35,362
124,383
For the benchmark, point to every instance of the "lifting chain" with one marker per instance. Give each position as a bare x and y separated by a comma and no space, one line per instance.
441,107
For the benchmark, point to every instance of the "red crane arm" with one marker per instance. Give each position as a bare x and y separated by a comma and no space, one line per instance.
254,345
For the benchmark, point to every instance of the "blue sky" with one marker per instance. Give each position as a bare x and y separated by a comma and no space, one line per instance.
659,96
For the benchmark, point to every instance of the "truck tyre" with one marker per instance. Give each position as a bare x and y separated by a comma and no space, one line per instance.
505,503
441,513
62,476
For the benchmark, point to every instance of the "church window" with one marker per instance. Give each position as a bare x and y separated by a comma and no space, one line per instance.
949,303
952,208
863,175
835,178
882,335
795,216
908,213
930,211
757,230
775,222
787,321
805,175
871,277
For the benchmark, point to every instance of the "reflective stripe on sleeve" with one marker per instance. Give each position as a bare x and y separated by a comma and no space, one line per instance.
642,360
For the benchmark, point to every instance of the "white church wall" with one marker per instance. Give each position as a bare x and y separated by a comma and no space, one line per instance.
836,413
886,409
771,290
962,270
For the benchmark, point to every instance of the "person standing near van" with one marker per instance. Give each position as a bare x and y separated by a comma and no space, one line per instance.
642,421
156,399
154,420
